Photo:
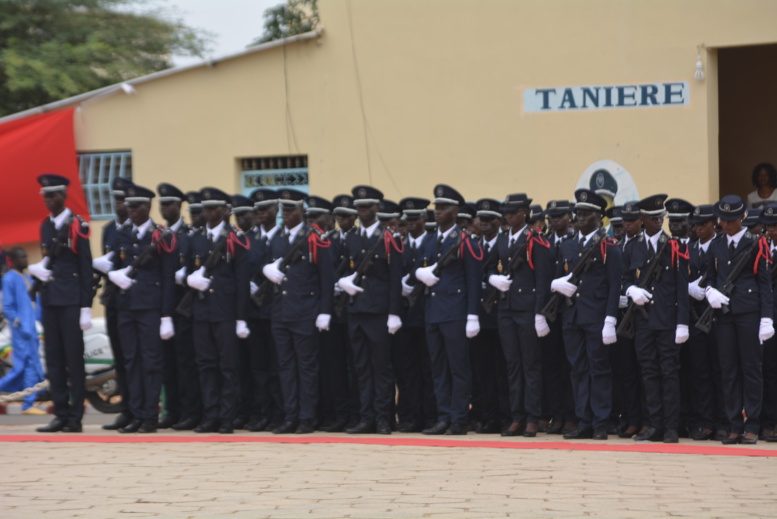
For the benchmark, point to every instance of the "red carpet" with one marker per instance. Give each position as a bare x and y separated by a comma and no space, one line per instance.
706,448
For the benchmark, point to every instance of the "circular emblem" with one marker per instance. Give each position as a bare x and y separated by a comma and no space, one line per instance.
259,196
697,211
628,208
344,202
600,180
727,208
131,191
486,205
658,202
583,196
163,190
553,204
285,195
44,181
675,206
206,194
312,202
769,212
410,204
362,192
439,191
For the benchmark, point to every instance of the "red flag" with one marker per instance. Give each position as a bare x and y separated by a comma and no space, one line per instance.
29,147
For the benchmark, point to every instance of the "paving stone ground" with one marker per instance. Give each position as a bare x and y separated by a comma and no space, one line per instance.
255,480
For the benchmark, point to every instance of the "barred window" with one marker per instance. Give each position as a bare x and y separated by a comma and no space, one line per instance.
274,173
97,171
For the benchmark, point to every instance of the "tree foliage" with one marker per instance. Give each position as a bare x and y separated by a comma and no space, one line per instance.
53,49
284,20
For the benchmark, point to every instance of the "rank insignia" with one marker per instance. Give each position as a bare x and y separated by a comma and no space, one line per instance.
351,264
499,267
566,267
425,265
197,262
123,255
44,250
637,273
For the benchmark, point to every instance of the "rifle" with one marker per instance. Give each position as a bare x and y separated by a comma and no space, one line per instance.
139,261
705,321
494,293
443,262
184,308
292,255
550,310
59,241
343,298
626,327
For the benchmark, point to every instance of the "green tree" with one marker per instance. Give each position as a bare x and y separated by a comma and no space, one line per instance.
53,49
284,20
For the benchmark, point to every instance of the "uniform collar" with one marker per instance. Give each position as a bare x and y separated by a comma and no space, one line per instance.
736,238
416,241
369,231
61,217
294,231
177,225
511,236
215,232
141,229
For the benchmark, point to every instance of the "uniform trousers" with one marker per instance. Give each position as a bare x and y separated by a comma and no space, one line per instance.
189,392
142,347
490,375
119,364
590,373
741,357
627,383
334,382
421,403
706,385
523,355
296,343
215,346
451,370
557,401
371,347
64,349
659,361
172,400
263,363
769,407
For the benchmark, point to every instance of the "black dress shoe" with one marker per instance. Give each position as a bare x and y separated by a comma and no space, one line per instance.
56,425
489,427
363,427
336,425
256,425
457,429
628,432
531,430
305,427
149,426
580,433
600,433
554,427
187,424
651,434
749,439
285,428
208,426
132,427
274,424
515,429
122,420
771,439
438,428
731,439
410,427
671,436
382,427
227,427
167,421
240,422
720,435
72,427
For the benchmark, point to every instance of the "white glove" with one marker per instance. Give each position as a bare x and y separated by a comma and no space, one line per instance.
765,330
541,325
180,276
322,322
716,298
394,323
695,291
241,329
85,321
623,301
640,296
346,283
501,283
166,330
120,278
681,334
272,272
103,263
563,286
608,332
425,275
406,289
473,326
39,270
197,280
253,287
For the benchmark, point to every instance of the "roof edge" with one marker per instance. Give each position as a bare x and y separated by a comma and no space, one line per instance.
64,103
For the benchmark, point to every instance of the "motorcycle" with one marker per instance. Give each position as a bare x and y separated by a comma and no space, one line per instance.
102,389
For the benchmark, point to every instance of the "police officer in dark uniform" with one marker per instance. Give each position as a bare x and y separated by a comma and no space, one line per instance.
108,299
219,311
589,324
196,209
301,304
526,290
451,310
657,335
144,271
558,406
748,323
373,309
768,217
486,355
264,358
705,382
66,300
413,361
